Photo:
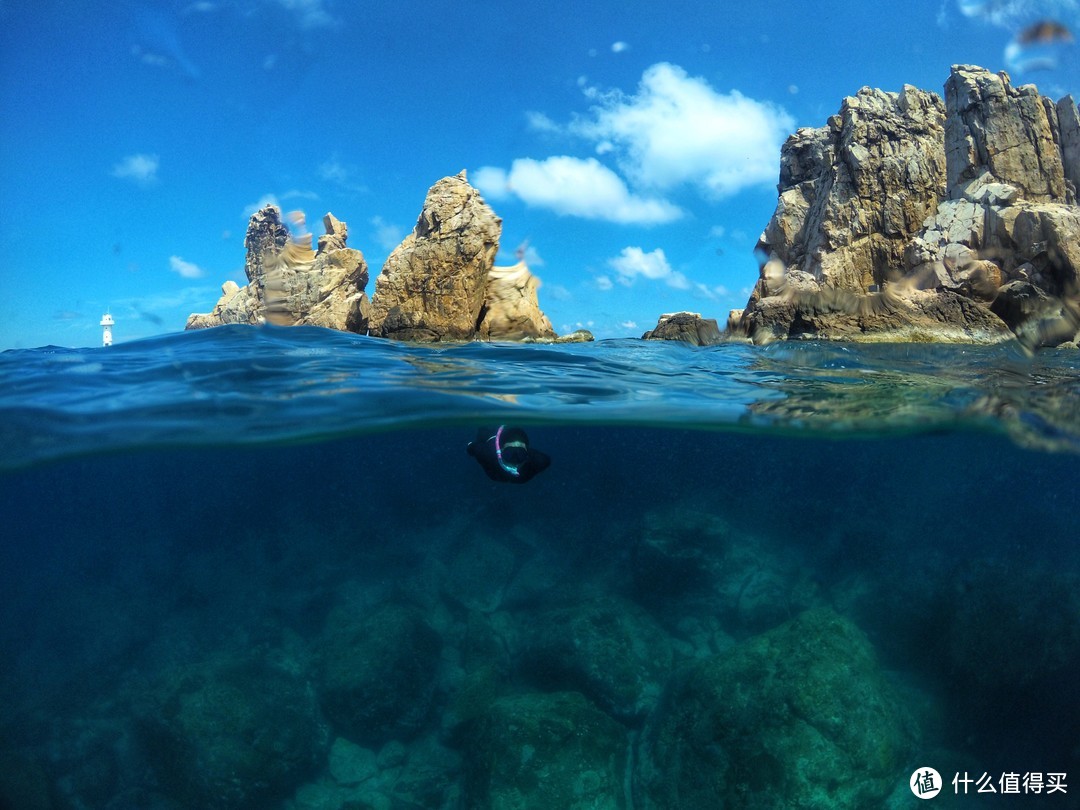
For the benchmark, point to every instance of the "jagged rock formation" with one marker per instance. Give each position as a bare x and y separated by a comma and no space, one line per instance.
432,285
439,283
909,219
289,283
688,327
853,192
511,308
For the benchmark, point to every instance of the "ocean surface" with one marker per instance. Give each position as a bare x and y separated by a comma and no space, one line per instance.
256,568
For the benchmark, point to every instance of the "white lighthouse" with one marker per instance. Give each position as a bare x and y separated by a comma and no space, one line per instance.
107,324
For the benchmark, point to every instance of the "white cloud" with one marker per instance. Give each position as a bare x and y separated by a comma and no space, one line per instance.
334,171
634,262
264,200
309,13
387,234
677,129
619,47
140,168
184,268
571,186
603,283
559,292
1011,13
628,324
540,122
492,181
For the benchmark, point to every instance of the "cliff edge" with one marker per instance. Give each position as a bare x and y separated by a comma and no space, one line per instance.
912,218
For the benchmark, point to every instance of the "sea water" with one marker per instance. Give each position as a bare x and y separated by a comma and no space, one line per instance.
256,568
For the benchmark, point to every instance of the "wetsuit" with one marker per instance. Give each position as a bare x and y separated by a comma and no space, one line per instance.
505,455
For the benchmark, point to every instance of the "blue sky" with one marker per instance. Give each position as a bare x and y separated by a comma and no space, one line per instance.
633,147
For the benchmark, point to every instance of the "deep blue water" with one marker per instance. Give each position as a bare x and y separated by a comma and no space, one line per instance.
251,568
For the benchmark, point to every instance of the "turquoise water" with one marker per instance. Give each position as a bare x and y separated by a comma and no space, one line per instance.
255,568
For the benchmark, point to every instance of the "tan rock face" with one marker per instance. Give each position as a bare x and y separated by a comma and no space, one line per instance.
848,259
1007,132
511,308
432,285
289,284
853,192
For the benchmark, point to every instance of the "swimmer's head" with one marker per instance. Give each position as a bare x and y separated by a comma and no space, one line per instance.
511,449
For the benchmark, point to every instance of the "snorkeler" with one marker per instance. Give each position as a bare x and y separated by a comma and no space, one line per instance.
505,455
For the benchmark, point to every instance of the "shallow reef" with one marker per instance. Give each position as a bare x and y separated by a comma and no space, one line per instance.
696,633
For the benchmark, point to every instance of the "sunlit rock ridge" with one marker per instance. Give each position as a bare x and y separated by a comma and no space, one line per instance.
439,284
910,218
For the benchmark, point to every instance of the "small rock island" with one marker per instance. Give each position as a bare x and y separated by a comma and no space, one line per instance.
439,284
910,218
906,218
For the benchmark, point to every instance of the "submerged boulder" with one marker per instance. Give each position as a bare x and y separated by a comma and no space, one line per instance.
608,649
432,285
376,673
799,716
550,750
232,735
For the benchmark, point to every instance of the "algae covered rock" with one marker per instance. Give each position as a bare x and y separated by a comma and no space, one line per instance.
233,734
377,672
609,649
799,716
551,750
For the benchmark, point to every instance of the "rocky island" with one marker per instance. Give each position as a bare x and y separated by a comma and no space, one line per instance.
912,218
907,217
439,284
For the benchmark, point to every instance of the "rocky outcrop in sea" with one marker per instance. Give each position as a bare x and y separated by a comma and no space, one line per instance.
910,218
439,284
689,327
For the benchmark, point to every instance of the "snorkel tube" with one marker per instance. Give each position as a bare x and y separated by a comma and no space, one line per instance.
510,469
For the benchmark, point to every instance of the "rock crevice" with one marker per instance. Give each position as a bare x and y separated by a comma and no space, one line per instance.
906,208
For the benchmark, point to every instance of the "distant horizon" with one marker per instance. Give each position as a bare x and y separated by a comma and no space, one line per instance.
634,157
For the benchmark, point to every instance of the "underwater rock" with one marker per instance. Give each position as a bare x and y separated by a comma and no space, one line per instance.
679,551
232,734
350,764
688,327
545,750
479,572
432,285
609,649
799,716
688,562
290,284
24,784
1035,610
376,672
511,309
903,218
